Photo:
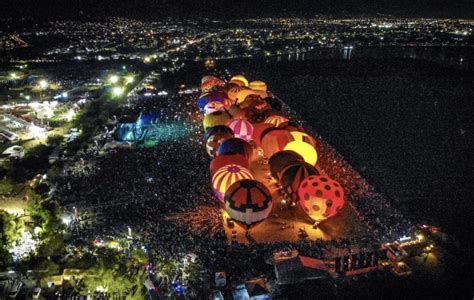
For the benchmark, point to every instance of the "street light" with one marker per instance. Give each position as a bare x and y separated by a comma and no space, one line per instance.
43,84
13,75
113,79
129,79
117,91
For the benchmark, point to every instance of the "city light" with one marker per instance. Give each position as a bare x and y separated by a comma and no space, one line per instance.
13,75
147,60
113,79
117,91
43,84
129,79
64,94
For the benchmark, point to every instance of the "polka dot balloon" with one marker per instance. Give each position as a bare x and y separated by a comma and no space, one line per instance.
320,197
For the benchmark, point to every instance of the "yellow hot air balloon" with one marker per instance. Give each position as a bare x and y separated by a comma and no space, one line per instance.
304,149
215,119
240,78
233,91
240,96
304,137
258,86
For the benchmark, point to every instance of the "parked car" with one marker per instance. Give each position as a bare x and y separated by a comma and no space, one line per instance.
36,293
15,289
13,153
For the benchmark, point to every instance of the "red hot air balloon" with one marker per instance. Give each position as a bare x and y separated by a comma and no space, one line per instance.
275,141
248,202
321,197
258,129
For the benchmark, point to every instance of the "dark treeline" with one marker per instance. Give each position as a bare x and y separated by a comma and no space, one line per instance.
224,9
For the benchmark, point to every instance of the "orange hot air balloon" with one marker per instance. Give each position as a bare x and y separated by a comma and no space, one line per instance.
258,129
228,159
276,120
209,84
275,141
248,202
226,176
321,197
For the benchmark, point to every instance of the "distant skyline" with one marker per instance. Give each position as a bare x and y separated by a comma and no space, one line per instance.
150,9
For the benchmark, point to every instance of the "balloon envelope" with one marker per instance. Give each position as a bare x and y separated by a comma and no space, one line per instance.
228,159
226,176
215,119
282,159
258,129
235,146
258,85
306,150
292,176
321,197
242,129
214,137
248,202
240,78
275,141
276,120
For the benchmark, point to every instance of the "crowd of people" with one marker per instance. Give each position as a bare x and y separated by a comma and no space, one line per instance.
142,188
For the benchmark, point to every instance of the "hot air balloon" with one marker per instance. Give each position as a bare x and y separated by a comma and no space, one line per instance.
306,150
211,83
242,95
292,126
233,91
212,107
215,119
235,146
235,83
275,141
248,202
321,197
243,129
240,78
236,112
292,176
258,129
281,160
214,137
226,176
303,137
276,120
228,159
258,85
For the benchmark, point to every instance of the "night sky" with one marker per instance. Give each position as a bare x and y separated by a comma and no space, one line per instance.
152,9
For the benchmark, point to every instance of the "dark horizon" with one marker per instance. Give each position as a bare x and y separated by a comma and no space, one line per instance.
153,9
